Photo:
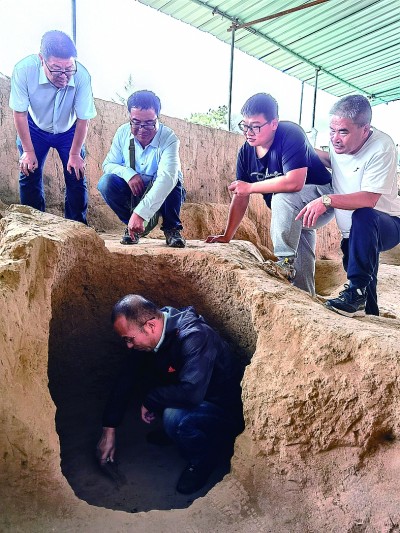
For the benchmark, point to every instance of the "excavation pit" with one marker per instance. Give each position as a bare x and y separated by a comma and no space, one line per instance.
84,358
318,390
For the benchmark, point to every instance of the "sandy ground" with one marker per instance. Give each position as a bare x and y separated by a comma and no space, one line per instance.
148,472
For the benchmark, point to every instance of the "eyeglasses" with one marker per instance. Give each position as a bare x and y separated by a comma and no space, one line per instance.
254,129
67,72
146,126
130,340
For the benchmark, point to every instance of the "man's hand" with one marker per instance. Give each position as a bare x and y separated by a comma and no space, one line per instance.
217,238
106,446
147,416
241,188
135,225
311,213
28,163
77,164
136,185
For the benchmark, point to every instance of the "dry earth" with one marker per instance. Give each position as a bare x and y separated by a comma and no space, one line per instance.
320,451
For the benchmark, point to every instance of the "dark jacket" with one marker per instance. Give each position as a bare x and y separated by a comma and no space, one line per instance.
193,364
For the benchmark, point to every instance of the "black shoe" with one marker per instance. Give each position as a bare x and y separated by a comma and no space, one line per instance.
158,437
193,478
174,238
127,239
351,302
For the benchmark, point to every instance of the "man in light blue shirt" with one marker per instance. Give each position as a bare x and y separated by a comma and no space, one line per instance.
52,102
142,172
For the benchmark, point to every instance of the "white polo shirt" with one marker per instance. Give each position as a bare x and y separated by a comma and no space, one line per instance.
371,169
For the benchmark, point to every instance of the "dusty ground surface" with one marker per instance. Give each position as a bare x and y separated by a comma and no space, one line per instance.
320,451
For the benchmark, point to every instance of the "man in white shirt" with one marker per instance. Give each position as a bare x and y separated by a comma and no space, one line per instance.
366,201
142,172
52,102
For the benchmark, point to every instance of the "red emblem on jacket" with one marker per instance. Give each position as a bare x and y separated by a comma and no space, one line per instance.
170,369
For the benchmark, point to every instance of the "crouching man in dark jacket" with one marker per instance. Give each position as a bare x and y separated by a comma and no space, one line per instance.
193,384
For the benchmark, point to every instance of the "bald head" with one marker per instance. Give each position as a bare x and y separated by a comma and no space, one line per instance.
136,309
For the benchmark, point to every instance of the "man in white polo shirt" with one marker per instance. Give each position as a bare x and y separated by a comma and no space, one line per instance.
52,102
366,201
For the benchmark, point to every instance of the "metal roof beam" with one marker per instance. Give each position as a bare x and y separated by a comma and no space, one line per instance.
216,11
276,15
304,60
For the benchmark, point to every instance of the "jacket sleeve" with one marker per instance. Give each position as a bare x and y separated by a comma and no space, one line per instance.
198,351
121,392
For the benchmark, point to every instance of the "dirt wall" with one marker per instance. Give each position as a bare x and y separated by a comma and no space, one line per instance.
321,392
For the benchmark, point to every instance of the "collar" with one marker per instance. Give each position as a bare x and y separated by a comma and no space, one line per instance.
162,334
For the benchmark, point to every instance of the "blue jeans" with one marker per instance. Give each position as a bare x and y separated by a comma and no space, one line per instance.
204,432
31,189
117,195
371,232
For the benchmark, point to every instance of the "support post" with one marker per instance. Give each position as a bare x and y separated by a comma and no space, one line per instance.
315,96
231,80
301,101
73,13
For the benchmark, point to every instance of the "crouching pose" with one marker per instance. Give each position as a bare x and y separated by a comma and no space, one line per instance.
192,382
366,201
142,173
278,161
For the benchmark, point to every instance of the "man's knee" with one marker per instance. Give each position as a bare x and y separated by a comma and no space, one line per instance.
172,419
287,202
363,216
105,183
281,198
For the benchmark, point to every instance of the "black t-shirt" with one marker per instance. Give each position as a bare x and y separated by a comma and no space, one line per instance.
290,149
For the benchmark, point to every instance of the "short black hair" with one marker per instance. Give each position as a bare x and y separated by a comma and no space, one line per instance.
144,100
261,103
135,308
354,107
57,44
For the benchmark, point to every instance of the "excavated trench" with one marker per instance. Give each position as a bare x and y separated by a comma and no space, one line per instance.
84,358
321,395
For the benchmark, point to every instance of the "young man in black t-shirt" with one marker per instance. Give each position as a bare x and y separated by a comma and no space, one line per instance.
279,162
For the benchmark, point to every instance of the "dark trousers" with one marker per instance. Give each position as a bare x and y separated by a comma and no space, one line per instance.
204,434
31,189
117,194
371,232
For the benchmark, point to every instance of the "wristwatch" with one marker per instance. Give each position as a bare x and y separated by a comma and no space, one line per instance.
326,200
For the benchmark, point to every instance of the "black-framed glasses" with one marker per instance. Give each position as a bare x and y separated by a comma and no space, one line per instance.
57,72
254,129
146,126
130,340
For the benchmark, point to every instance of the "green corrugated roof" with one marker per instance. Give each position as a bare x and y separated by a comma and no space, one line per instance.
355,44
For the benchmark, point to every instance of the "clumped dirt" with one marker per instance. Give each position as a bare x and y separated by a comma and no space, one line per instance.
320,451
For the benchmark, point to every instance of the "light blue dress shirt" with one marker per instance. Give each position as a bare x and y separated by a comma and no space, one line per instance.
159,161
53,110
